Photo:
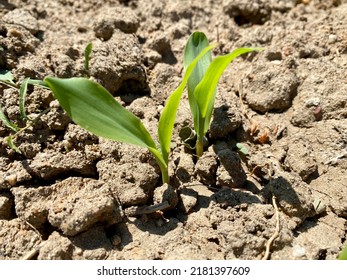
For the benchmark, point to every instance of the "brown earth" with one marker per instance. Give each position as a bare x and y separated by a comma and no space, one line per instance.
72,195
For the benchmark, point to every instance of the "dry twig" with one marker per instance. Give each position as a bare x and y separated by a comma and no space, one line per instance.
36,250
277,230
136,211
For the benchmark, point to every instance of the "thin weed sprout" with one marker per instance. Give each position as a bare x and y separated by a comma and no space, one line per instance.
7,79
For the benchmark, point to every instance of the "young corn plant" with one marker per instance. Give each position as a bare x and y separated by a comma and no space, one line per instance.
202,83
92,107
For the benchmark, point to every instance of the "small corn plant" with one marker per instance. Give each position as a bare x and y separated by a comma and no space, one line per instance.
202,83
92,107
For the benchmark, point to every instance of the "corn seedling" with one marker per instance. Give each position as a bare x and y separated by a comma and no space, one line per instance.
202,84
92,107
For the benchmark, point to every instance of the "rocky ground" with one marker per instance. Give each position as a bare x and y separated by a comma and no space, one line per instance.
72,195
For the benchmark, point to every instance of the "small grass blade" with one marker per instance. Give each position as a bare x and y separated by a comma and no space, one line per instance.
22,97
10,143
7,122
87,53
6,78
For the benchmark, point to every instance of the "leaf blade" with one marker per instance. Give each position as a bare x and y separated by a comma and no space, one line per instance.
7,122
22,97
9,141
7,76
92,107
195,44
212,75
87,53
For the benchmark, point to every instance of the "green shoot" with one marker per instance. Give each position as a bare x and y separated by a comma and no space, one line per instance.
242,149
22,96
7,122
92,107
343,254
9,141
203,83
7,79
87,53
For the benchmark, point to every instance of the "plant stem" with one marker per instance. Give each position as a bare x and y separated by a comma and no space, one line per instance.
9,84
163,164
165,176
199,147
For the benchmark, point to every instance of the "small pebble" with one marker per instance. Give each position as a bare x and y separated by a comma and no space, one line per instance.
11,179
298,251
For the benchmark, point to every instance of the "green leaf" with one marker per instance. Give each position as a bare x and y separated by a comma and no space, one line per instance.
7,77
87,53
205,91
343,254
22,97
10,143
6,121
195,44
92,107
168,116
242,149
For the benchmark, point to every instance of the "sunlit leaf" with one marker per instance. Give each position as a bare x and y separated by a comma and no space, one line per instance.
6,121
87,53
10,143
6,77
205,90
92,107
195,44
202,84
22,97
343,254
242,149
